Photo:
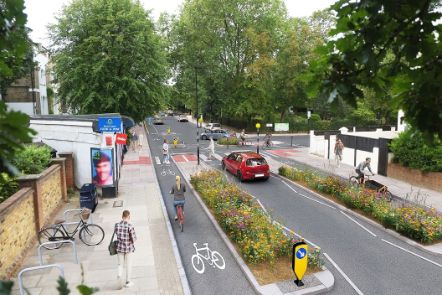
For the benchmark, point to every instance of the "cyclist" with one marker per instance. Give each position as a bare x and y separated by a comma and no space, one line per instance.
178,190
165,152
243,137
360,169
268,139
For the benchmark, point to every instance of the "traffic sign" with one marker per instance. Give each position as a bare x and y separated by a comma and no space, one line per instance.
299,261
121,138
110,124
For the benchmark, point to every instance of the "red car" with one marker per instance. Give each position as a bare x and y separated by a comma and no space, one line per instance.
246,165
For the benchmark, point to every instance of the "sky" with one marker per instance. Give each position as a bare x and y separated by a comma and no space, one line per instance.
42,12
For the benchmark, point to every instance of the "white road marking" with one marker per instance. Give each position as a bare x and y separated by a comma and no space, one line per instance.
307,197
185,158
262,206
298,235
408,251
204,157
369,231
218,157
157,160
343,274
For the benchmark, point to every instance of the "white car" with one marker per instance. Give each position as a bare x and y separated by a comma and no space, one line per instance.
213,126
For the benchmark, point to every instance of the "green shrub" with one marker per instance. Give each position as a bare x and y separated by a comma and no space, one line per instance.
8,186
228,141
32,159
411,150
412,221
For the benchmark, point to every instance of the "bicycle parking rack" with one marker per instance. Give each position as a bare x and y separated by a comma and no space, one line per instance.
20,281
75,210
74,246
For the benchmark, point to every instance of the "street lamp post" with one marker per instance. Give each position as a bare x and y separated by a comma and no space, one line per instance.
198,124
197,119
257,128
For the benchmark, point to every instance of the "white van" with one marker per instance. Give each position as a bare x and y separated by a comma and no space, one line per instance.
213,126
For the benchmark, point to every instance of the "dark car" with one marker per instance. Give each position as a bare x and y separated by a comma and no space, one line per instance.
246,165
215,134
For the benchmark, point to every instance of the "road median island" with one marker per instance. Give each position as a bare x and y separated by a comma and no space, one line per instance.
261,247
422,225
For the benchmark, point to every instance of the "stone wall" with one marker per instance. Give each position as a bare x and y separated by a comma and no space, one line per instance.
430,180
17,230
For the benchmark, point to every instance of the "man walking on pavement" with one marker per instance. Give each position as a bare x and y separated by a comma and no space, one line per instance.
126,238
211,149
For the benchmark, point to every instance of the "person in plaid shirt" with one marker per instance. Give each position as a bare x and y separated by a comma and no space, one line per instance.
126,238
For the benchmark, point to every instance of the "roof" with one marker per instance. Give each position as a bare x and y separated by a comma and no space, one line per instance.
249,154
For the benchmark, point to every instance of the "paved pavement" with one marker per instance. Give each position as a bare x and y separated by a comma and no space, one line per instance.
155,269
398,188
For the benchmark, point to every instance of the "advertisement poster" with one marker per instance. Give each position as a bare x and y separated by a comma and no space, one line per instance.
281,126
102,167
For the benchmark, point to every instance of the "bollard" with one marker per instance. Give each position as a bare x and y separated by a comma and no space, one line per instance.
291,140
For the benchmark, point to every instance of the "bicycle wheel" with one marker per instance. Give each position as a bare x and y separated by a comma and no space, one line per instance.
51,234
218,260
171,172
197,263
354,181
181,217
91,234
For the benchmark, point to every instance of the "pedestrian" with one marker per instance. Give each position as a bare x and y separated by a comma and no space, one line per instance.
126,238
339,147
211,149
134,141
165,152
178,190
140,141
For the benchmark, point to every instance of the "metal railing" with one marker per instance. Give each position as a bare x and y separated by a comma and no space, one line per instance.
20,280
74,246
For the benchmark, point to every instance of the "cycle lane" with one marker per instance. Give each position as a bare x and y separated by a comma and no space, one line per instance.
198,229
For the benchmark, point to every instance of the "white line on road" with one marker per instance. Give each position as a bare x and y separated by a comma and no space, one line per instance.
185,158
307,197
343,274
369,231
157,160
408,251
203,157
298,235
218,157
262,206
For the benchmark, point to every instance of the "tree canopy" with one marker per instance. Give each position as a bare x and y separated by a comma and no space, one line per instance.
388,46
108,58
14,51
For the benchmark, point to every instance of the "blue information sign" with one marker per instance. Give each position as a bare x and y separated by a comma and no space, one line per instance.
109,124
301,253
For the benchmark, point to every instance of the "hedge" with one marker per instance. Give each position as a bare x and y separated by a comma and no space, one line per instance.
32,159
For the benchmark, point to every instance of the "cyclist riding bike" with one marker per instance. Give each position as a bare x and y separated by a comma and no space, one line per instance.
243,137
178,190
360,170
268,139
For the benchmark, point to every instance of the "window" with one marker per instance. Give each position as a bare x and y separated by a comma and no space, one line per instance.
256,162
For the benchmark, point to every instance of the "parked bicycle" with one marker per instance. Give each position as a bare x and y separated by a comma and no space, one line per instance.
381,190
212,257
90,234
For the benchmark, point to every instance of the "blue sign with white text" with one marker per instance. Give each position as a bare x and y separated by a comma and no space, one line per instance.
110,124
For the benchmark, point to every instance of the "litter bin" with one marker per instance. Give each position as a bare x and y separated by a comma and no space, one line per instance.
88,196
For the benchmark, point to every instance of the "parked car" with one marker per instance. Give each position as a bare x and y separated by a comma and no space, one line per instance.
214,133
213,126
246,165
182,118
157,120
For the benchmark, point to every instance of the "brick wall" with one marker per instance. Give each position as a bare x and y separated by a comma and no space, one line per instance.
430,180
17,229
69,167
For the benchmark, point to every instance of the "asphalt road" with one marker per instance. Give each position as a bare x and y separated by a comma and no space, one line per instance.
198,228
366,260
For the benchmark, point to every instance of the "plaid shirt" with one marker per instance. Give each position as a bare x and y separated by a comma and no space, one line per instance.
126,237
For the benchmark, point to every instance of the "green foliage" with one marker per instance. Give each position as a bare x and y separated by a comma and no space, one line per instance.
108,58
14,132
15,48
6,287
383,45
85,290
228,141
412,150
8,186
32,159
420,224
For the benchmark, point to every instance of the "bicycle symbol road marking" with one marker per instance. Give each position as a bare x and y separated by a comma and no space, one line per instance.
212,257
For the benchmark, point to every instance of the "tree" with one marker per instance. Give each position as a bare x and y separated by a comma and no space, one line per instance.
356,56
14,49
108,58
